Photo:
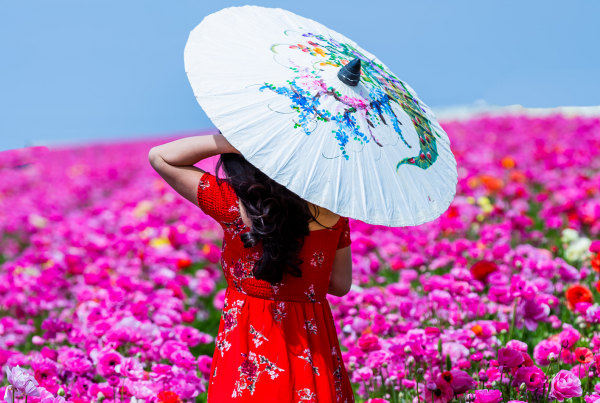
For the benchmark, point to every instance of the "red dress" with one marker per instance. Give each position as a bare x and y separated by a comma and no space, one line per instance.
276,343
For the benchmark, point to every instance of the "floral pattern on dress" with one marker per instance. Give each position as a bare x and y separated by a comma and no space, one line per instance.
337,375
306,395
275,287
317,259
311,293
251,370
279,312
309,360
234,227
203,184
258,337
241,271
229,323
310,326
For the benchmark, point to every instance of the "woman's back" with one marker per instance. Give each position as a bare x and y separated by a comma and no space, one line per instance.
276,342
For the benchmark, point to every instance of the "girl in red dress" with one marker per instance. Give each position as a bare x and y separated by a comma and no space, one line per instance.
281,256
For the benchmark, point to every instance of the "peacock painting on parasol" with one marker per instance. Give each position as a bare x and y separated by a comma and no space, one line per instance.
374,104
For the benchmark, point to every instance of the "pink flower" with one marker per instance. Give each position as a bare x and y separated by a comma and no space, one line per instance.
543,349
510,358
78,365
369,342
565,385
459,381
533,377
593,398
488,396
57,399
517,345
568,337
132,368
204,364
183,359
107,363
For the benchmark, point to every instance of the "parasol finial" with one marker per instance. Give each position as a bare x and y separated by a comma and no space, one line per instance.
350,73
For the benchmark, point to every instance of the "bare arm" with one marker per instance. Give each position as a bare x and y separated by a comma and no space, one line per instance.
341,273
175,161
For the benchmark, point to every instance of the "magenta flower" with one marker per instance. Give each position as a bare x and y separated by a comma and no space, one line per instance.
459,381
517,345
204,364
510,358
441,392
565,385
107,363
532,377
593,398
78,365
488,396
131,368
542,351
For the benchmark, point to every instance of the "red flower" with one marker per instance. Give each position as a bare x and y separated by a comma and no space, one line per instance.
578,293
166,396
482,269
584,355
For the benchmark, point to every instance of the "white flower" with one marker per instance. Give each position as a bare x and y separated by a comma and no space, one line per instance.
569,235
578,249
22,383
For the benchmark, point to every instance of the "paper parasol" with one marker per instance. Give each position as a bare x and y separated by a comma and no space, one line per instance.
321,116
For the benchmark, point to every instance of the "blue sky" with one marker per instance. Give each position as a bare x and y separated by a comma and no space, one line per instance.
75,70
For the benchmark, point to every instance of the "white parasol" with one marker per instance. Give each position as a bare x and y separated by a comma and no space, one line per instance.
321,116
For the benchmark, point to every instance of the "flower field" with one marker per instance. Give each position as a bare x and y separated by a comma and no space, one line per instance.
111,290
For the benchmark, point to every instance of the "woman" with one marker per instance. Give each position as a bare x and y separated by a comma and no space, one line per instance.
281,255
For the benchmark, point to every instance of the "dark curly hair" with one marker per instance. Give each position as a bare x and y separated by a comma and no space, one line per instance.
279,217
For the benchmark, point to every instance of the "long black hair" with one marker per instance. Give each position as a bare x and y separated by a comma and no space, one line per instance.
279,217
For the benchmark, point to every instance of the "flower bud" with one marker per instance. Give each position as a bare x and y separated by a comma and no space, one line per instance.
101,397
551,357
431,386
407,350
420,371
483,377
522,387
61,391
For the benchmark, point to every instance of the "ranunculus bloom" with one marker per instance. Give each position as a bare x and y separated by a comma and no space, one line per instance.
21,383
510,358
543,349
593,398
533,377
166,396
482,269
442,393
517,345
369,342
584,355
107,363
578,293
488,396
565,385
568,337
459,381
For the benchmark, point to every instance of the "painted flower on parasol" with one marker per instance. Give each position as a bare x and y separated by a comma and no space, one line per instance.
321,116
